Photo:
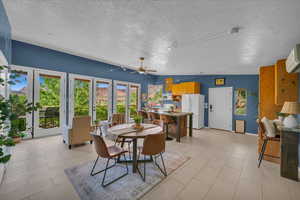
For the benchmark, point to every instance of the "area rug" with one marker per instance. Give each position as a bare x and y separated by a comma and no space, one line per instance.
130,187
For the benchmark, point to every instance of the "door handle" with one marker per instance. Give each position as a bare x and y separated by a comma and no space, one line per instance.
210,108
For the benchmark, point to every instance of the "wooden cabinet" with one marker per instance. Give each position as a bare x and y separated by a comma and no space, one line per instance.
286,84
186,88
268,108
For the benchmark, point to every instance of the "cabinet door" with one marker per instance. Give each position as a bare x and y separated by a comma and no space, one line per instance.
286,84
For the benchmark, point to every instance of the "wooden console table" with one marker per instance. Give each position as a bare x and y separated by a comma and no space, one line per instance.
289,152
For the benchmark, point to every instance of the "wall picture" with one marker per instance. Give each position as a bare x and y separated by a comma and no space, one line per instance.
155,95
240,102
220,81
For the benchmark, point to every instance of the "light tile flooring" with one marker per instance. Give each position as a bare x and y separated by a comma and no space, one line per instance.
222,166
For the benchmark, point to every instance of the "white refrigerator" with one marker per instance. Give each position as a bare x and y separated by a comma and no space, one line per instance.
194,103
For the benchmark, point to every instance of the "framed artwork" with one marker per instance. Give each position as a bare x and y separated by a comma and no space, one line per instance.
168,84
220,81
240,102
155,95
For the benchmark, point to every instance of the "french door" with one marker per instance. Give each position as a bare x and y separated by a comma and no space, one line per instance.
102,101
89,96
46,88
127,99
220,108
21,90
80,96
50,93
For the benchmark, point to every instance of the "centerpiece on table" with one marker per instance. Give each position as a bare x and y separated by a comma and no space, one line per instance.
138,119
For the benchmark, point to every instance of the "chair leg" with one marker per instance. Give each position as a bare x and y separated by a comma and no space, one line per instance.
92,171
163,171
143,176
261,155
129,151
114,180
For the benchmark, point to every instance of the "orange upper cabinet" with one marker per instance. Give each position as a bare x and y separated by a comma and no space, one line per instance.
186,88
286,84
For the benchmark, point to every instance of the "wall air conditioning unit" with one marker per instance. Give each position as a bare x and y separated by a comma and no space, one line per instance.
293,60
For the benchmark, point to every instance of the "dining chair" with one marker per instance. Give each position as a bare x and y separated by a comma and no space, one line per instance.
117,119
153,146
109,153
267,132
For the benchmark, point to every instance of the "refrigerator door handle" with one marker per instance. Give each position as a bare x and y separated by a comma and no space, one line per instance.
210,108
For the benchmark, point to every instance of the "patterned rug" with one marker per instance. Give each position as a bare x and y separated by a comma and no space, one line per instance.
130,187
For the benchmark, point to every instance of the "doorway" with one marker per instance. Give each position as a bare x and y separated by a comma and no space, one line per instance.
220,108
49,92
127,99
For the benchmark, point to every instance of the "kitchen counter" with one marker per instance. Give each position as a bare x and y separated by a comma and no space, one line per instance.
179,128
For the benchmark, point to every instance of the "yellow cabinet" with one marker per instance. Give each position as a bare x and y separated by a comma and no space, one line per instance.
186,88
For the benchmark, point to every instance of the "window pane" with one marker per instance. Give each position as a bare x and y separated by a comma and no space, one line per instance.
133,101
121,98
50,101
18,93
81,97
102,98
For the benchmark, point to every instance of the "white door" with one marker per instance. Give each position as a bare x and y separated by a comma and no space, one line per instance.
102,102
220,108
80,96
49,92
22,90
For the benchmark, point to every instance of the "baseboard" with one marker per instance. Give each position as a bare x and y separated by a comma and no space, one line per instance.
252,134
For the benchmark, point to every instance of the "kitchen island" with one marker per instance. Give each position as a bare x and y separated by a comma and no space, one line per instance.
181,119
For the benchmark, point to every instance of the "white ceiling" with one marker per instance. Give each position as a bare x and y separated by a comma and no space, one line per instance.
174,36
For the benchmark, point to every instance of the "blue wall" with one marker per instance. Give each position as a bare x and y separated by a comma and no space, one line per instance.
249,82
34,56
5,33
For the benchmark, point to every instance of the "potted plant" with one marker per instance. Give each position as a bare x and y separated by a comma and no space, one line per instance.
138,119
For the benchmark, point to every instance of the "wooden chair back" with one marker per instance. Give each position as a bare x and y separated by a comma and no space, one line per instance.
261,129
81,129
166,119
154,144
100,146
118,118
143,114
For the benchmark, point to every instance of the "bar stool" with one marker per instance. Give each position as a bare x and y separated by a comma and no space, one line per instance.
167,120
154,118
266,135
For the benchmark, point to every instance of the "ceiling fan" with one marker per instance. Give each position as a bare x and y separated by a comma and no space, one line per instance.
142,69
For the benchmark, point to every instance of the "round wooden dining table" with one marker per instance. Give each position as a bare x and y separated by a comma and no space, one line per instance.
126,131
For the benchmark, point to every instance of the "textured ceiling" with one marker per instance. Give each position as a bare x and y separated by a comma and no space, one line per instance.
174,36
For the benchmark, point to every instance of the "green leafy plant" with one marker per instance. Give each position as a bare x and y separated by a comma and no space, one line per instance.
97,122
138,119
11,111
280,114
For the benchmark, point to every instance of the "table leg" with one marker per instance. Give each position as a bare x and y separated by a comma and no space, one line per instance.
134,156
191,125
178,129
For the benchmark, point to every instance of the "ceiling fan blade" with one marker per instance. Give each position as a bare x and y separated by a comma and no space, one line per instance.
151,70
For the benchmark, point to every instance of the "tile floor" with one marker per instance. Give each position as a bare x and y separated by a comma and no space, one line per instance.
222,166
